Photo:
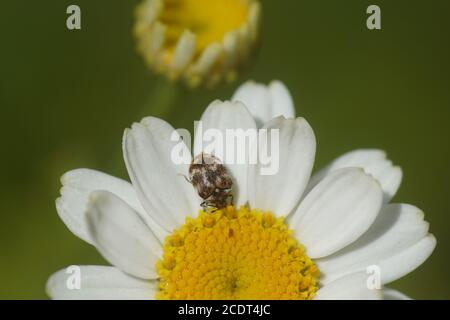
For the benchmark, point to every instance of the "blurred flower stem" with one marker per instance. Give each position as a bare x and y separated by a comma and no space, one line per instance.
162,100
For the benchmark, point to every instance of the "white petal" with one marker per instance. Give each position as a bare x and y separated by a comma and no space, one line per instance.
230,50
282,104
121,235
157,38
184,51
350,287
99,283
254,18
397,227
374,162
217,118
407,260
391,294
244,36
265,102
337,211
208,58
76,187
256,98
158,180
281,190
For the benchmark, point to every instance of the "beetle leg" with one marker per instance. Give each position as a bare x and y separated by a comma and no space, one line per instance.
186,178
230,198
206,205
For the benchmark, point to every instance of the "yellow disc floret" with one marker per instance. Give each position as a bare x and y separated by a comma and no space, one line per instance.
210,20
235,254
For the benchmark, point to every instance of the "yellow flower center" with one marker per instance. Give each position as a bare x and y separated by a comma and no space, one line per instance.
235,254
210,20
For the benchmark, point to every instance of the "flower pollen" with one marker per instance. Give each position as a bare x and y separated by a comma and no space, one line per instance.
235,254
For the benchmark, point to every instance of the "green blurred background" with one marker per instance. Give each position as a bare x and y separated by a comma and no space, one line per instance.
66,96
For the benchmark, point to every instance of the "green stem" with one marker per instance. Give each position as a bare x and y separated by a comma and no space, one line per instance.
161,101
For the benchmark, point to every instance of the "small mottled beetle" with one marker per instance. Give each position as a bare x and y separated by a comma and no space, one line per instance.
211,180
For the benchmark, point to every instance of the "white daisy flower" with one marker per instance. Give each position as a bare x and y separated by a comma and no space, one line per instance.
338,223
199,41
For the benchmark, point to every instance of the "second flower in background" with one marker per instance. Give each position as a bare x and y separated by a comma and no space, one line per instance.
199,41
